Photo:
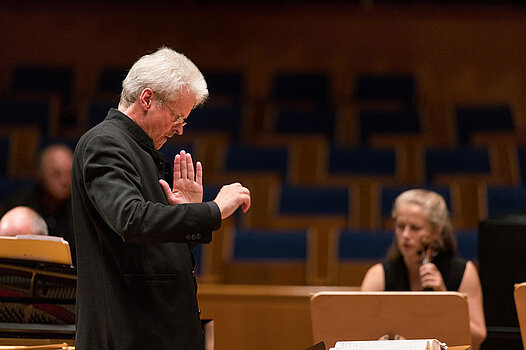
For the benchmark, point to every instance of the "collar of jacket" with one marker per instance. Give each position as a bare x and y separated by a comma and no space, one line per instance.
139,135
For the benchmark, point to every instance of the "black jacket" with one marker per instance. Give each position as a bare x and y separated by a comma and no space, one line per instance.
136,288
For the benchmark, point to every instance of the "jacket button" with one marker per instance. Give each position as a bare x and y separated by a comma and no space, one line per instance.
198,236
188,237
194,237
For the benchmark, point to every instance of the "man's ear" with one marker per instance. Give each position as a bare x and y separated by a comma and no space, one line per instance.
146,98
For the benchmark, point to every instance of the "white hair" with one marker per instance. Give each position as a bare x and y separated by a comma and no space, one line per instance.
167,73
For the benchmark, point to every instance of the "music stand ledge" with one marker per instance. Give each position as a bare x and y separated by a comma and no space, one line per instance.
340,316
520,304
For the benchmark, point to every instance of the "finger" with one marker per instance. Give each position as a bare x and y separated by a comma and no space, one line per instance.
177,168
167,191
190,166
199,173
246,202
184,173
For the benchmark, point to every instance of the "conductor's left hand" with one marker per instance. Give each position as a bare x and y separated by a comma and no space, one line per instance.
187,185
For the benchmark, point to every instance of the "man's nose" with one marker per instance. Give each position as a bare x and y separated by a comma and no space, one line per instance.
179,129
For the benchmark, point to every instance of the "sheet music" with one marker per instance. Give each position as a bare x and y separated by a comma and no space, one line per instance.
415,344
36,247
40,238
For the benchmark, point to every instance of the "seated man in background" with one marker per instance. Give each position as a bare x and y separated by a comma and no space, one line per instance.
51,198
22,221
423,257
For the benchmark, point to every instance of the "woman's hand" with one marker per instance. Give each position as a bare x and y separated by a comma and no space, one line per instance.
430,277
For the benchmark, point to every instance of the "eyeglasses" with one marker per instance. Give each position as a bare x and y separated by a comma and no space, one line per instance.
176,119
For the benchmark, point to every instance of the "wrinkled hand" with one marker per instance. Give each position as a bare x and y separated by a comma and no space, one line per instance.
186,188
430,277
231,197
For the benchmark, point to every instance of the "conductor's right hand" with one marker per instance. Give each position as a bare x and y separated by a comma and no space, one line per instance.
231,197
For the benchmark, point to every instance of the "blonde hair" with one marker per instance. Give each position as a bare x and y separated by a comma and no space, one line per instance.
167,73
436,213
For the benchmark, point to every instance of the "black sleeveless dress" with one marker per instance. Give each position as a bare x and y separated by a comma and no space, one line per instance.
452,269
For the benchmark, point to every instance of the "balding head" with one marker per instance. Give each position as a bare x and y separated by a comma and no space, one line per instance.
55,171
22,221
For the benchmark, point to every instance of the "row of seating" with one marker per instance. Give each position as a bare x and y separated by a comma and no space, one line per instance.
294,256
389,162
314,86
299,102
349,180
44,113
348,206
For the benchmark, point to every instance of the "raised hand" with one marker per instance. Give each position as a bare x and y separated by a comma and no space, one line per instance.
231,197
187,186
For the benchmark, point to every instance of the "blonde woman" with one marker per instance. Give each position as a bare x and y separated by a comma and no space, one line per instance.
423,257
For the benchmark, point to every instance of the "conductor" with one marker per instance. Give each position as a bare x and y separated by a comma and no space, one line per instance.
136,286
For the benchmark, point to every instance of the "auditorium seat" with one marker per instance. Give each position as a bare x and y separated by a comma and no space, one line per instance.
110,80
265,256
105,95
39,112
309,87
97,110
464,170
467,244
9,186
364,245
502,200
385,92
322,208
318,121
456,161
310,206
225,87
197,251
257,159
4,155
410,150
216,119
41,79
362,162
19,149
312,201
363,170
306,155
521,157
170,150
502,147
380,123
482,118
70,142
354,251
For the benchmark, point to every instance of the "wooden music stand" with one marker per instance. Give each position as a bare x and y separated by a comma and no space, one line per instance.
520,305
50,249
340,316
